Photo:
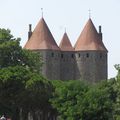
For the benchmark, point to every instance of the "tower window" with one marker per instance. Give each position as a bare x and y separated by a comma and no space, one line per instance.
87,55
72,55
79,55
52,54
100,55
61,55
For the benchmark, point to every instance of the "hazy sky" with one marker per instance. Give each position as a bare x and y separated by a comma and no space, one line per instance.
69,14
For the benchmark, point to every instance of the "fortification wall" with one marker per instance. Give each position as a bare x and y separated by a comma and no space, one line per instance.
91,66
67,65
51,64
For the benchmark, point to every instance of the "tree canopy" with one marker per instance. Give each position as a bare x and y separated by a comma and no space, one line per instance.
75,100
12,54
23,89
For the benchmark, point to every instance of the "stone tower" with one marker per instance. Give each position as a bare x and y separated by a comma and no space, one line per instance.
67,59
42,41
91,55
86,61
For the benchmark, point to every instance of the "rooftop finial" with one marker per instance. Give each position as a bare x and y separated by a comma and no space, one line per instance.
65,29
89,13
42,12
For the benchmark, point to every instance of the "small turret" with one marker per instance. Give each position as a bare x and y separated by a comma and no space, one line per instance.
30,31
65,44
41,38
91,55
89,39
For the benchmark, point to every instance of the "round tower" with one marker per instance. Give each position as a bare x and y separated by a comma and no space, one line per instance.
67,59
91,55
42,41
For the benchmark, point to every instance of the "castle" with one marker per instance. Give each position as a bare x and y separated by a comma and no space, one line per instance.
87,60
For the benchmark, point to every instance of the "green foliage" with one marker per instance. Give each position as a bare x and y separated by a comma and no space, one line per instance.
117,67
98,103
38,92
12,81
5,36
76,100
65,98
117,88
31,60
21,88
12,54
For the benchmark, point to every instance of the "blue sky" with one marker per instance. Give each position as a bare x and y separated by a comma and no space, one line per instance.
69,14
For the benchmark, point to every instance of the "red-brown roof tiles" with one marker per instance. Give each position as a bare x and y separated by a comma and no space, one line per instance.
41,38
65,44
89,39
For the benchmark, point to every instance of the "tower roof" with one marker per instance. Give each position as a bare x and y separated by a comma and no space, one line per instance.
65,44
89,39
41,38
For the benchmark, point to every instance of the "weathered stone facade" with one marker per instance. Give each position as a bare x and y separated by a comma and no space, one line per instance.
86,65
91,65
86,61
67,66
51,64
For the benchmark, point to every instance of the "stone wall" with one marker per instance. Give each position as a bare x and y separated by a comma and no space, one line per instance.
51,64
67,66
82,65
91,65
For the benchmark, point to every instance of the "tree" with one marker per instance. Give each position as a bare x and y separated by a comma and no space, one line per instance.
74,100
98,102
38,93
65,98
117,67
5,36
21,89
12,85
117,89
12,54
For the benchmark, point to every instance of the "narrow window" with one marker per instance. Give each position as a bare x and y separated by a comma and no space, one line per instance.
52,54
72,55
79,54
87,55
100,55
61,55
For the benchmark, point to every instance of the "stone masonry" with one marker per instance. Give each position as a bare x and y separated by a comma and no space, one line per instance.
87,60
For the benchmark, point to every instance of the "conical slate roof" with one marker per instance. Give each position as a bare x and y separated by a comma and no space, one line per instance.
41,38
89,39
65,44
